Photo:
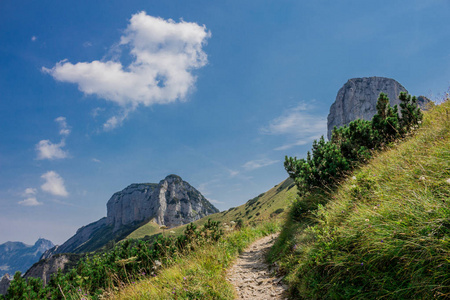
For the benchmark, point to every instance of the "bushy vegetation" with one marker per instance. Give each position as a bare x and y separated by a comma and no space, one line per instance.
384,231
350,145
202,273
128,262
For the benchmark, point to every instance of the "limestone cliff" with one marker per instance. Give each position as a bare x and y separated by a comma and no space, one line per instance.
46,267
357,99
171,202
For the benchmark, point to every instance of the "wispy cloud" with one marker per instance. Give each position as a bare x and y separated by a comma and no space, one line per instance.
64,129
164,53
259,163
215,201
96,160
54,184
33,38
299,124
30,200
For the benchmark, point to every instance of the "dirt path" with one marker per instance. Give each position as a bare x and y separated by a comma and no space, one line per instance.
251,275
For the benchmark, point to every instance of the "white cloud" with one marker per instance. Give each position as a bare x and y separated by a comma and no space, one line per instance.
33,38
54,184
96,160
30,191
298,124
300,142
48,150
233,173
31,201
215,201
259,163
63,128
116,121
164,53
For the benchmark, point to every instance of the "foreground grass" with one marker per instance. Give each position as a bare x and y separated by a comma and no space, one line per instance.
385,232
199,275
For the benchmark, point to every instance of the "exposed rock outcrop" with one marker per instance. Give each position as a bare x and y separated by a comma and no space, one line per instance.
46,267
357,99
172,202
17,256
4,284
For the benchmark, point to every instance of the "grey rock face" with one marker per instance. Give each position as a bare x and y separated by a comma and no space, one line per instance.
46,267
172,202
17,256
4,284
357,99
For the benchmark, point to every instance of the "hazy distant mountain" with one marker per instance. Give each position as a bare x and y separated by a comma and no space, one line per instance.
17,256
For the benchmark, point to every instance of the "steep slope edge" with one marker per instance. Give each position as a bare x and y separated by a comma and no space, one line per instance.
384,232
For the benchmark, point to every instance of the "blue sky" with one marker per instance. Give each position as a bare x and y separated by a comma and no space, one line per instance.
96,95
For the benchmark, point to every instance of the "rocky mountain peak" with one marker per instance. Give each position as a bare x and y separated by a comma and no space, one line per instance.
171,202
357,99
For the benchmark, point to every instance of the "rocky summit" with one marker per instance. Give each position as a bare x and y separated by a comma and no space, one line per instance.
171,202
357,99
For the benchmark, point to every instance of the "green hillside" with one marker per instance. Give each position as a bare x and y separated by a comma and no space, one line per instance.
269,205
384,232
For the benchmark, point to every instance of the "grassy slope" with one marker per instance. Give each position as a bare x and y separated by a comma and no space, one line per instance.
385,232
199,275
255,210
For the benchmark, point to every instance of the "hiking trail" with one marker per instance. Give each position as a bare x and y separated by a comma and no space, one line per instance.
253,277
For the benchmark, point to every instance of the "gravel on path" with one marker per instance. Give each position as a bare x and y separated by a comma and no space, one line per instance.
252,276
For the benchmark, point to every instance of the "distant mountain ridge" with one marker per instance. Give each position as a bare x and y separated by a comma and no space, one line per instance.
17,256
171,202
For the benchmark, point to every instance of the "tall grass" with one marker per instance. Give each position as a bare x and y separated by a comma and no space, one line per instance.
385,232
199,275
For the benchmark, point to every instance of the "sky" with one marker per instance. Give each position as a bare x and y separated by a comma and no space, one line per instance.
96,95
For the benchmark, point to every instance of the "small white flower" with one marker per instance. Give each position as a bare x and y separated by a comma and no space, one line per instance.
422,178
354,177
448,181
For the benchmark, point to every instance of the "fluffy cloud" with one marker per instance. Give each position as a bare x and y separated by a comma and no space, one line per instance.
54,184
48,150
299,124
163,54
30,199
259,163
